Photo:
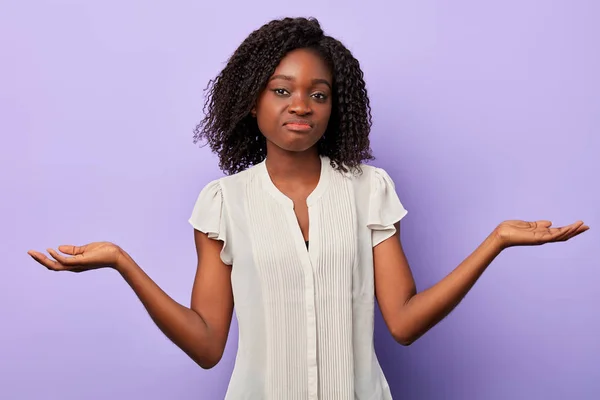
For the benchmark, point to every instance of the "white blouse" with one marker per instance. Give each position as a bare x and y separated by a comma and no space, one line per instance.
305,316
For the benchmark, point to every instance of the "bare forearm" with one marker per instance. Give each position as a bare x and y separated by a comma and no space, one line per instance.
182,325
425,309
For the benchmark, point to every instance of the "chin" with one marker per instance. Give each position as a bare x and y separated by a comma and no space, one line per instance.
296,145
297,148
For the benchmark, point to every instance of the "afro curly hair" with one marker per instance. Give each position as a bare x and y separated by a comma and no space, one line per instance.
233,134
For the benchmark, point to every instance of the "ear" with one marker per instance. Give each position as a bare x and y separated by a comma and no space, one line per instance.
253,111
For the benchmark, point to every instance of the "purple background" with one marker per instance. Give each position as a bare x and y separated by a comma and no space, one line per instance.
483,111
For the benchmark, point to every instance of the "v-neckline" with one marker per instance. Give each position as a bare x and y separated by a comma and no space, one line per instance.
285,200
307,253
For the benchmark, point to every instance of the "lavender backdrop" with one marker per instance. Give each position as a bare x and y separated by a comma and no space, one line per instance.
484,111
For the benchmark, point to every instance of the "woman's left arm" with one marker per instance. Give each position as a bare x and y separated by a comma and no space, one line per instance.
408,314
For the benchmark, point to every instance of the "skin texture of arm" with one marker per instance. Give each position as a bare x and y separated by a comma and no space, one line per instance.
408,314
200,331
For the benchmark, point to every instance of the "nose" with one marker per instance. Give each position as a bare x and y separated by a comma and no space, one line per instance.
299,105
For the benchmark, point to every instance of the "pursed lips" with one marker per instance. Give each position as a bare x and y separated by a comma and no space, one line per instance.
298,125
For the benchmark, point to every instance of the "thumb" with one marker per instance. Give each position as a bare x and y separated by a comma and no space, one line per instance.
71,249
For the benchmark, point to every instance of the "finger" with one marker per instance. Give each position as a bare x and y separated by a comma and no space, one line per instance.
557,233
565,232
544,223
71,261
579,231
71,250
571,230
47,262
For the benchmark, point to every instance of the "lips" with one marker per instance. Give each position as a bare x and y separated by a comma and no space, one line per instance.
298,125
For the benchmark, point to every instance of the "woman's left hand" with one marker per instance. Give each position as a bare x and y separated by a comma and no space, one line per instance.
523,233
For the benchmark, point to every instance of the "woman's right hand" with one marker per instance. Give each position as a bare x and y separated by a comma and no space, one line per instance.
80,258
200,330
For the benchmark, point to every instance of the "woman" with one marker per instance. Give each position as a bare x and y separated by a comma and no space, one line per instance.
301,233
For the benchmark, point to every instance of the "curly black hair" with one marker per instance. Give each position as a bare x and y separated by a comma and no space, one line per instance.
233,134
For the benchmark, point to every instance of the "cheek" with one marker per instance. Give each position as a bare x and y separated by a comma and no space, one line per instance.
269,116
267,125
266,108
266,120
325,113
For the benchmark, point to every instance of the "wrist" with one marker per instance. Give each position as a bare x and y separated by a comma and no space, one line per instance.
123,261
498,239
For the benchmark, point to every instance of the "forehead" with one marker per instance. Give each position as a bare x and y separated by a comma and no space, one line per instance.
303,64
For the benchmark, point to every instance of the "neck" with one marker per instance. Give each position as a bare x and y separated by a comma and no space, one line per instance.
286,166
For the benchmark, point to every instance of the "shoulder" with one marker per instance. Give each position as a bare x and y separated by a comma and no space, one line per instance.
232,182
230,190
216,197
233,185
369,176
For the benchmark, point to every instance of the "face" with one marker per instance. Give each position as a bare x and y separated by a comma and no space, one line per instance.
293,111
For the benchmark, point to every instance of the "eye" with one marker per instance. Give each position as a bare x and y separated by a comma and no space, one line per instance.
281,92
320,96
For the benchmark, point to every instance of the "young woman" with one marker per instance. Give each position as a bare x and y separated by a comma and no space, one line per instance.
301,234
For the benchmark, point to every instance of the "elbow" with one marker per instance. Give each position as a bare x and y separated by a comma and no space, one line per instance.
208,354
403,336
207,362
206,365
407,342
404,340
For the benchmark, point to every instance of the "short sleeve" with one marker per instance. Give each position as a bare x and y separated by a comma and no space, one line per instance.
385,208
209,216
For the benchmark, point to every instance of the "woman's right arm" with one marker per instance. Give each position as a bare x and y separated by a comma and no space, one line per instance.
200,331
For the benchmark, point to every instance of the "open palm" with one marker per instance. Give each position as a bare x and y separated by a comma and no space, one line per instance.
524,233
80,258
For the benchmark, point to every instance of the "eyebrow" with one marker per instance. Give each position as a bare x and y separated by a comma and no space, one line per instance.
291,78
